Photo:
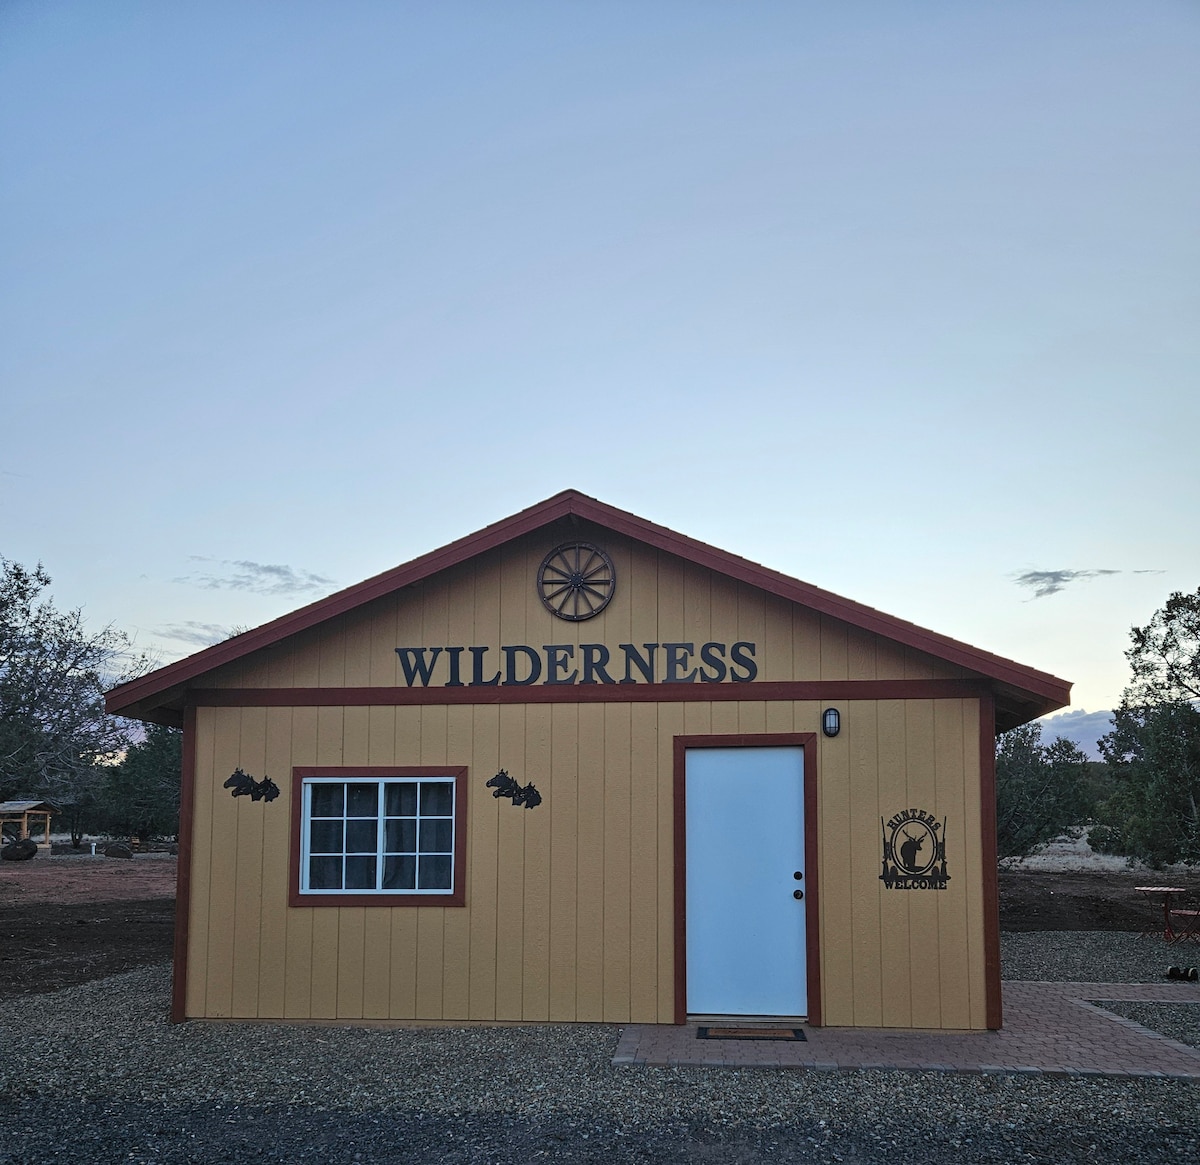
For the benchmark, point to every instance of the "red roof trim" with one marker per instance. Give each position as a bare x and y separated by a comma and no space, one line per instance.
1049,690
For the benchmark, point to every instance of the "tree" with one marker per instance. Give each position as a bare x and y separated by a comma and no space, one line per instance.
1165,656
1154,752
1039,789
140,796
1154,747
53,672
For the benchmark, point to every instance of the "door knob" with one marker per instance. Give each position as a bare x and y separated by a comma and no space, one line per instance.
798,875
797,894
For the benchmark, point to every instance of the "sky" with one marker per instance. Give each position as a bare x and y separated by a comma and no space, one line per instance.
899,299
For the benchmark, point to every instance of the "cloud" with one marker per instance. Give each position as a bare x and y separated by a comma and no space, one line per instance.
199,634
1050,582
258,578
1080,727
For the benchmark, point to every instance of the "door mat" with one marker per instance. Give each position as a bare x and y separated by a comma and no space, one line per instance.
750,1033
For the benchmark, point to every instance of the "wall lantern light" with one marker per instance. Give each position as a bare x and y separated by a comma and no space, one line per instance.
831,722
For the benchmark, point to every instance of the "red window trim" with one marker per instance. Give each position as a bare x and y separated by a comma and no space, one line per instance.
458,897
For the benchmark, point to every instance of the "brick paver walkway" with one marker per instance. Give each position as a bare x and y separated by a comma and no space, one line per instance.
1049,1028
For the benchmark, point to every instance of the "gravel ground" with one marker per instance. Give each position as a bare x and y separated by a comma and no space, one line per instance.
1090,956
96,1070
1181,1023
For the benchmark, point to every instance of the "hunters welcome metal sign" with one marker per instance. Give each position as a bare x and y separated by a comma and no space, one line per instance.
914,851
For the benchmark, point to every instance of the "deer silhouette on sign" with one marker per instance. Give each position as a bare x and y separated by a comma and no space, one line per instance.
909,849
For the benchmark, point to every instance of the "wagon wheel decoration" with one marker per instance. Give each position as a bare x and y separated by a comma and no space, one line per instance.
576,581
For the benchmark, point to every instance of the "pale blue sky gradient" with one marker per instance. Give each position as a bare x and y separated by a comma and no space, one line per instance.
900,299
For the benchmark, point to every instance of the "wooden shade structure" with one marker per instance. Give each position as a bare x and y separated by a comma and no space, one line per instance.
22,812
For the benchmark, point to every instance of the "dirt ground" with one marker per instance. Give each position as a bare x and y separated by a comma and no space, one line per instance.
72,880
1087,899
67,920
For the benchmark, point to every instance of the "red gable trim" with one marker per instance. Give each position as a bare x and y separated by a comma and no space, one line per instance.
1048,691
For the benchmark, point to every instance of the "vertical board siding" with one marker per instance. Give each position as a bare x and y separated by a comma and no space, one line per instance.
383,637
589,901
752,622
670,725
835,878
431,939
273,912
648,815
196,994
643,864
456,935
860,654
615,888
973,862
564,858
510,866
949,797
571,906
222,878
515,596
403,963
377,924
835,649
777,652
864,950
460,730
571,911
248,869
895,957
298,984
431,932
483,875
326,946
724,628
806,646
535,955
923,951
352,921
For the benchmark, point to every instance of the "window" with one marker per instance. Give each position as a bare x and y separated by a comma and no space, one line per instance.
375,836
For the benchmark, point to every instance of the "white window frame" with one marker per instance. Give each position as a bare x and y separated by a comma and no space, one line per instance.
306,780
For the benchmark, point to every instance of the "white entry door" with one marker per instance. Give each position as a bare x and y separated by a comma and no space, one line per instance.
745,864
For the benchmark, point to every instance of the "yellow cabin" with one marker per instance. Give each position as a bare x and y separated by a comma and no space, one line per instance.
579,767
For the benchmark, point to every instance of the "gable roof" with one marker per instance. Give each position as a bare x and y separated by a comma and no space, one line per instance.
1022,693
27,807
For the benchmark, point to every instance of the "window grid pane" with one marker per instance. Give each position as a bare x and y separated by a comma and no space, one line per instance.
352,847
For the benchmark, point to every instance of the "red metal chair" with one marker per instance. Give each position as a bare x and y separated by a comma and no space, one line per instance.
1185,925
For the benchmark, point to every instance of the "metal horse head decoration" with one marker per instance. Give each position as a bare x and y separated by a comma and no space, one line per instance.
244,785
506,786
